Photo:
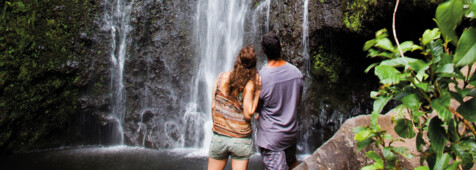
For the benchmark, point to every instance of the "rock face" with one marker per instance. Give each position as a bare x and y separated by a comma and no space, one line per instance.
340,151
162,60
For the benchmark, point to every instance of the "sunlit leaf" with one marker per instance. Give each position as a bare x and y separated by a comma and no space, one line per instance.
437,135
411,101
388,154
403,151
387,74
385,44
430,35
362,135
465,53
370,67
422,168
398,62
448,16
369,44
442,162
447,68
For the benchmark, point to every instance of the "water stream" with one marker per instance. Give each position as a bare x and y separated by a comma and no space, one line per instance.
116,18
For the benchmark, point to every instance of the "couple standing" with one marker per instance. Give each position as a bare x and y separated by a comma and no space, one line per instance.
274,94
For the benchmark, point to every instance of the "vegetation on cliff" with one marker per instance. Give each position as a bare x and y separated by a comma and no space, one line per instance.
424,78
39,51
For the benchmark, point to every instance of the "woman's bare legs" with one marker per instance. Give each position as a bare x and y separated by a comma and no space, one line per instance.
216,164
239,164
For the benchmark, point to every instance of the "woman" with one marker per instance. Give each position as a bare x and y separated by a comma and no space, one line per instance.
235,99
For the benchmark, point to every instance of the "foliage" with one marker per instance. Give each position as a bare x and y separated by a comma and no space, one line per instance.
423,83
38,68
328,66
355,11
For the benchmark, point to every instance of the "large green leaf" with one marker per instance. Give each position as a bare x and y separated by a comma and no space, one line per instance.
364,143
442,162
404,128
387,74
362,135
464,154
465,53
441,105
378,106
437,135
378,161
407,46
403,151
453,131
447,68
448,16
398,62
430,35
369,44
385,44
468,110
411,101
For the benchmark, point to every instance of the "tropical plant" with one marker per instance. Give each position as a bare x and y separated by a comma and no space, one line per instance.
425,84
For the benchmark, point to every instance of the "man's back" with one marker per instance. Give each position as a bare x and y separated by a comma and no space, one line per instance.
280,96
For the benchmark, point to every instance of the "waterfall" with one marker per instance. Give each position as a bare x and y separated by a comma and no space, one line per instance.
116,19
305,41
219,32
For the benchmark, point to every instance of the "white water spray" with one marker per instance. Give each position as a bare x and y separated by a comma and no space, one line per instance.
116,20
219,32
305,41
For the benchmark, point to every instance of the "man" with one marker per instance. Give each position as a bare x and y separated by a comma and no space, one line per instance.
281,89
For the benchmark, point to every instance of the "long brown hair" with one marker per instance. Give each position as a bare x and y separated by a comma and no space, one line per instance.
244,70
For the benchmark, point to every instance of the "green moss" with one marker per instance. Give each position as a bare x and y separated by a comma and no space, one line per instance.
327,66
38,41
355,11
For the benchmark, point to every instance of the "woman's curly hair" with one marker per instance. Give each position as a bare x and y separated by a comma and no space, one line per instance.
244,70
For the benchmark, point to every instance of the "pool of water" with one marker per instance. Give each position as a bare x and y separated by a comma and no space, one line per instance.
116,157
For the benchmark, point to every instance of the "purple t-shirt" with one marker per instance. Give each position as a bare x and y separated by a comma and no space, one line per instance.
280,93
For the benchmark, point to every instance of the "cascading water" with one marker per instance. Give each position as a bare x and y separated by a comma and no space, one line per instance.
116,19
219,31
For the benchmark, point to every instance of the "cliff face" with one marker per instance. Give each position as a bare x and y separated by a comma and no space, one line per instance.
162,60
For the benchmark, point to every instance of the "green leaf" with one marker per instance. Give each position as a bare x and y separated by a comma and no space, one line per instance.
464,153
419,141
447,68
398,62
453,131
359,129
369,44
362,144
378,106
442,162
387,74
437,135
404,128
468,110
388,154
403,151
370,67
448,16
430,35
385,44
465,53
453,166
378,161
420,67
411,101
362,135
441,105
422,168
407,46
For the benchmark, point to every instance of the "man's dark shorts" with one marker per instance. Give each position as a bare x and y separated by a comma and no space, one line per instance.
279,160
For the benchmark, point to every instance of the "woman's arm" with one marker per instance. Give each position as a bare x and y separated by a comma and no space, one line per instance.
250,100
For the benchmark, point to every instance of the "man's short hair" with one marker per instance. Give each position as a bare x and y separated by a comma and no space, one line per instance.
271,46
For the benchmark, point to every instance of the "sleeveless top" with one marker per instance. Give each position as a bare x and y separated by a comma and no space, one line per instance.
228,117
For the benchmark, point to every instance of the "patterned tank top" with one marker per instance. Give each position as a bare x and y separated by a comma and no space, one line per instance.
228,117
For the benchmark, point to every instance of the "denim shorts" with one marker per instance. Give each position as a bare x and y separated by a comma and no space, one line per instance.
223,146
